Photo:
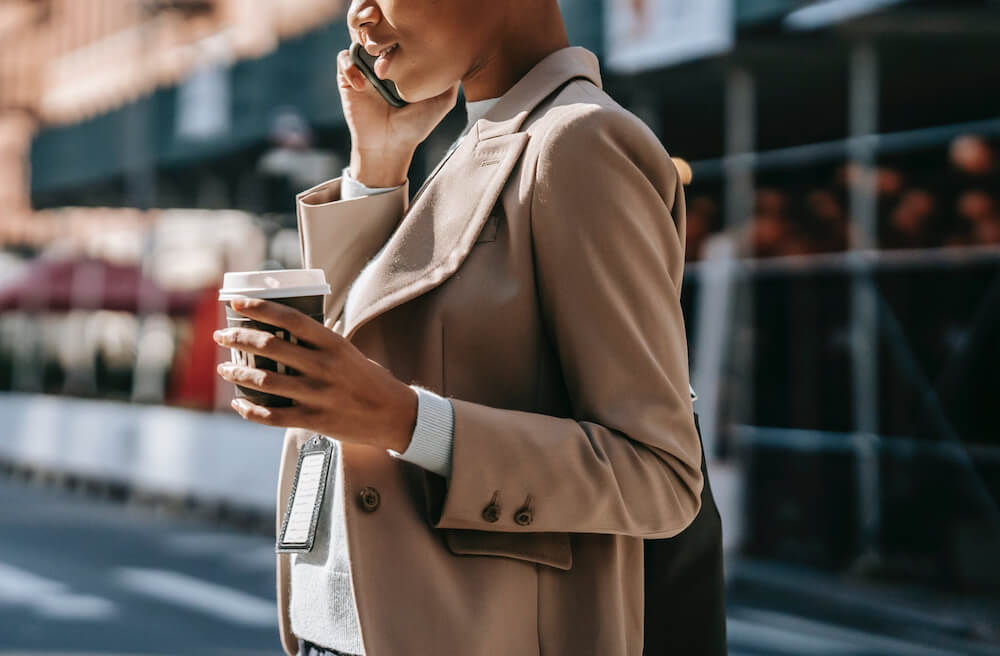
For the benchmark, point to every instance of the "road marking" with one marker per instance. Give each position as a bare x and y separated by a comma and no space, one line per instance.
833,635
52,599
200,543
244,551
34,652
209,598
759,636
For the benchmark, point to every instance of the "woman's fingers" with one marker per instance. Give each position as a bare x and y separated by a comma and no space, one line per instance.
348,72
297,388
261,342
286,417
295,322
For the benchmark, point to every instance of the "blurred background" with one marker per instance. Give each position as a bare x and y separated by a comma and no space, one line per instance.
842,298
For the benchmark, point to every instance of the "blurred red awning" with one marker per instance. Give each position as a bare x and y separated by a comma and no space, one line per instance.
60,285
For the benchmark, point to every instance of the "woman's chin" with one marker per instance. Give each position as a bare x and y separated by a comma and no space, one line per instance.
414,93
411,94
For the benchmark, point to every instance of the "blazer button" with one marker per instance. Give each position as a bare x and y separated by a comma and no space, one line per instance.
491,513
369,499
523,516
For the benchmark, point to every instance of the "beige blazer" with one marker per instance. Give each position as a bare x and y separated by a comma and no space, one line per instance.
535,281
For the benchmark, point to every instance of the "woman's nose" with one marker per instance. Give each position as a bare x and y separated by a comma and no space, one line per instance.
362,15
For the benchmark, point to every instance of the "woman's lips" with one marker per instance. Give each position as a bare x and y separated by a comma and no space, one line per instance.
384,60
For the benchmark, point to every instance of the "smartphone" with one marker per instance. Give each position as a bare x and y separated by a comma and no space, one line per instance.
366,64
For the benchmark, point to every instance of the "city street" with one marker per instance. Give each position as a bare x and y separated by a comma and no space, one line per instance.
80,575
790,208
84,576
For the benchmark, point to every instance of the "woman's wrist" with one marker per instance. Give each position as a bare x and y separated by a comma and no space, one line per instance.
403,419
380,169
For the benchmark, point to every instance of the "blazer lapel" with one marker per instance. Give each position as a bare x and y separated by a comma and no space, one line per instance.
448,213
435,236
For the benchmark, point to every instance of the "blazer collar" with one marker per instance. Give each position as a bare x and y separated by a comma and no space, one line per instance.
557,68
441,225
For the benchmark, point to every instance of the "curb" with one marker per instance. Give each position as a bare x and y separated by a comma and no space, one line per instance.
174,459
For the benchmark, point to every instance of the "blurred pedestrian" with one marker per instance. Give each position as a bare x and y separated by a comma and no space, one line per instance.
702,220
535,282
912,221
971,155
826,222
293,162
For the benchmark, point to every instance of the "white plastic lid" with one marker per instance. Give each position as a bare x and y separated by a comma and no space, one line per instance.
276,283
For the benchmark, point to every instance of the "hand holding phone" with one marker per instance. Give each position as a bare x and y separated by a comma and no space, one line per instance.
384,137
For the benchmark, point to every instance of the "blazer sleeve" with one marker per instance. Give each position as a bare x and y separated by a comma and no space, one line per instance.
607,224
340,236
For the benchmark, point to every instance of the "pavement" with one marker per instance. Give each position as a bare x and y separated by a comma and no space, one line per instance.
81,575
892,616
776,608
84,576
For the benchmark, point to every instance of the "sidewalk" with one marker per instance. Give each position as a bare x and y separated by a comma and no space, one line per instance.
886,618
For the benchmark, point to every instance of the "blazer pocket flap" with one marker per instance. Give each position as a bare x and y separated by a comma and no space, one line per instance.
552,549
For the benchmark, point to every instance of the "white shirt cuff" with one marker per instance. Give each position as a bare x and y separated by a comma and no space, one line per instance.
351,188
430,445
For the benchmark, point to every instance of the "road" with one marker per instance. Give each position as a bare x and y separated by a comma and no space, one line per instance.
82,576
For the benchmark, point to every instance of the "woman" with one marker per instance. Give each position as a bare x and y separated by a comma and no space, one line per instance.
503,366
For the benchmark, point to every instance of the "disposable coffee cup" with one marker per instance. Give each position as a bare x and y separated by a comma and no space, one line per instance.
302,289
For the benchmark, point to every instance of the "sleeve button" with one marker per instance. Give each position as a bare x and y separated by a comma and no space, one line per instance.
523,517
369,499
491,513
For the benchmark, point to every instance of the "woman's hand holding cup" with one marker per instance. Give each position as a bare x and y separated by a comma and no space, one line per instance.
291,370
337,392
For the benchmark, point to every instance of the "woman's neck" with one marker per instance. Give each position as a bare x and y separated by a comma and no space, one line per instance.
522,46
